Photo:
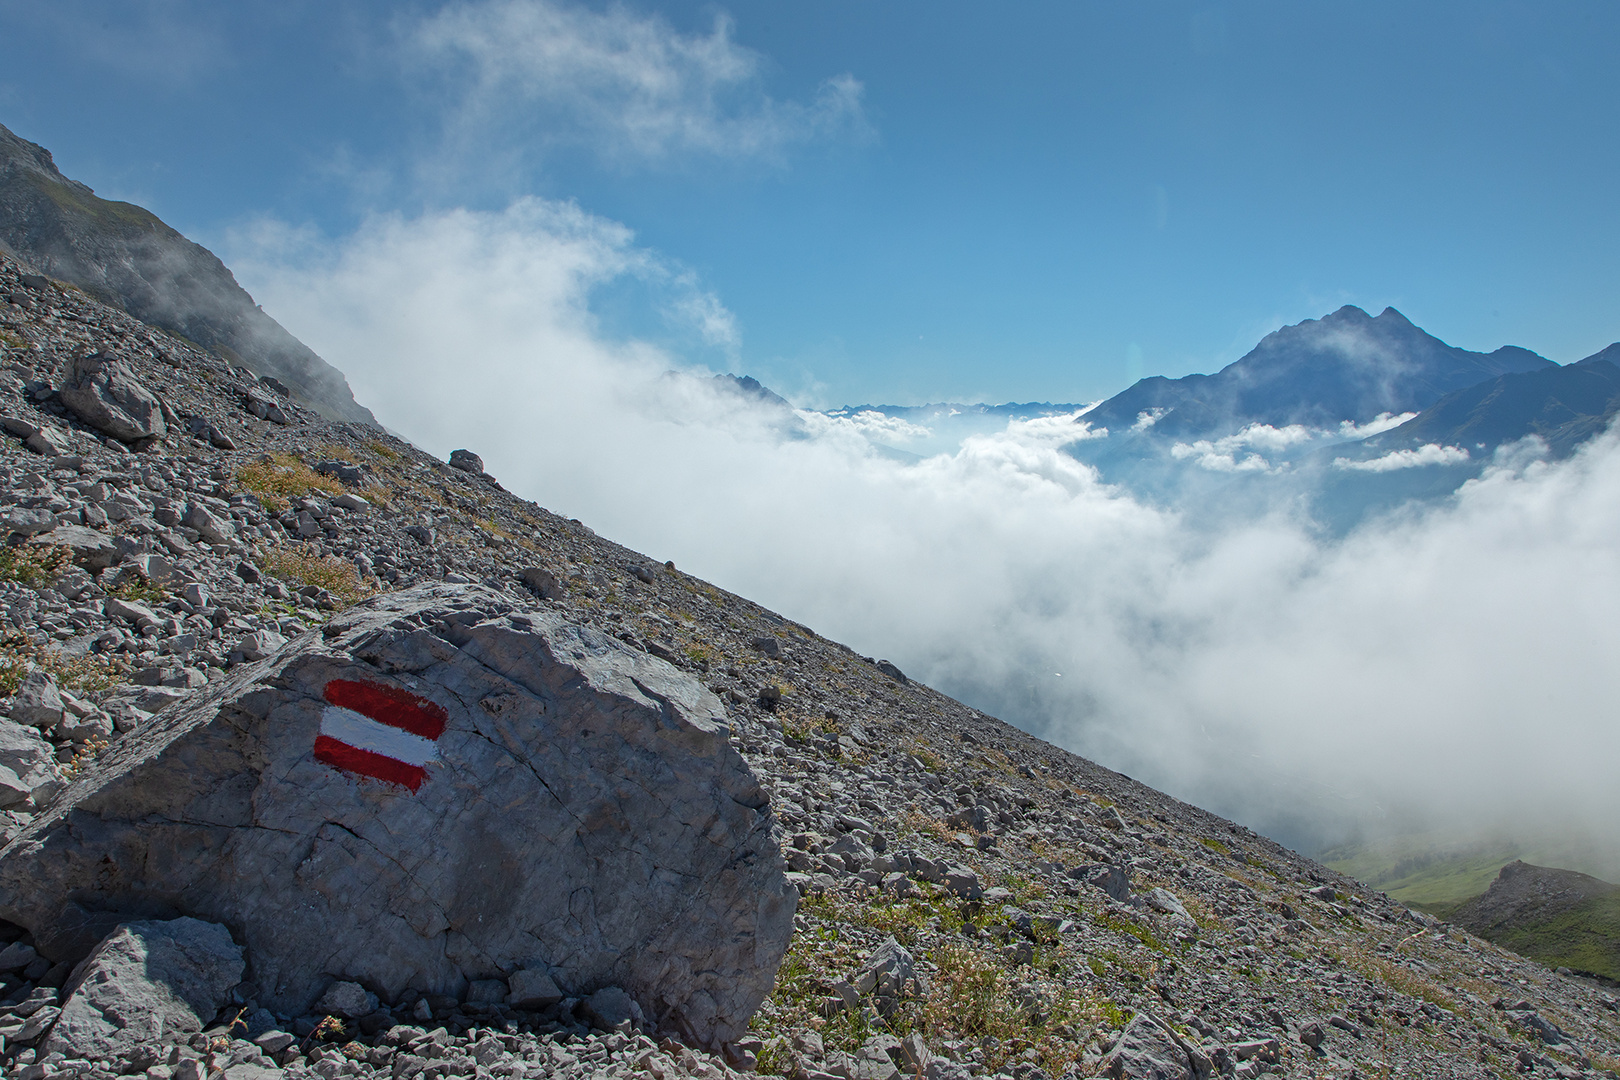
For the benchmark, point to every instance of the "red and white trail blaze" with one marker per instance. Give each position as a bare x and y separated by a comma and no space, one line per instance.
379,731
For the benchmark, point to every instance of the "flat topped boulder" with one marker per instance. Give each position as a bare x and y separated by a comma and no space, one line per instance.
439,787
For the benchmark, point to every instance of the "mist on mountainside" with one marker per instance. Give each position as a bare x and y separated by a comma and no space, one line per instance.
1445,665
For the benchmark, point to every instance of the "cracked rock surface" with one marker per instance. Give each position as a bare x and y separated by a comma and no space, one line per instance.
579,809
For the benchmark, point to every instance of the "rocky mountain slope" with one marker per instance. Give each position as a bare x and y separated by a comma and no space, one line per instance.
126,257
971,901
1560,917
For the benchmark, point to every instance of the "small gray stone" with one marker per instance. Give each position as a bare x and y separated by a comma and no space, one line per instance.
532,989
147,983
349,1000
91,549
1165,901
963,882
37,702
890,970
543,582
259,644
275,1041
139,614
50,441
16,956
213,529
610,1007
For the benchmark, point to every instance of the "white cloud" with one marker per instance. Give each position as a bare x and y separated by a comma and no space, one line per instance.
1147,418
1349,429
1427,454
1222,455
1452,662
628,85
869,424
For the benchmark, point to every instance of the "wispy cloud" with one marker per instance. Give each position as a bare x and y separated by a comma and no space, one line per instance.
1427,454
627,86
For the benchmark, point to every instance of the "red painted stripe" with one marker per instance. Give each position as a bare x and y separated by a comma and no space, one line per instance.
340,755
389,705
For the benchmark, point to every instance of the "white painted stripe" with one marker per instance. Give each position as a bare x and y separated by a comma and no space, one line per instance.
364,733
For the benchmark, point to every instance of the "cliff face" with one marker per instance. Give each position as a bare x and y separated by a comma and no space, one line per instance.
125,256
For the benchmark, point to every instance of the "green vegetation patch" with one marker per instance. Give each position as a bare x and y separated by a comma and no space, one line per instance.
337,576
1585,938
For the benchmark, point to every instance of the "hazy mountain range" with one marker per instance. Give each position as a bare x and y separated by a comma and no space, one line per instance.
1359,411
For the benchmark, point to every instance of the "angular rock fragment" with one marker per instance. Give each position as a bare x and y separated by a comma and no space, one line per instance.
92,549
103,392
1147,1050
466,461
531,989
149,981
441,787
29,522
27,763
543,582
349,1000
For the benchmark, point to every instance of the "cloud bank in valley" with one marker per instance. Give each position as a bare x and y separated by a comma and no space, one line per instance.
1451,664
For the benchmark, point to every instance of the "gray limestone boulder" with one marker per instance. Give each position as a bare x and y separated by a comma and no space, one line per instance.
38,702
29,522
466,461
90,548
149,982
104,393
346,999
1147,1050
442,785
530,989
27,763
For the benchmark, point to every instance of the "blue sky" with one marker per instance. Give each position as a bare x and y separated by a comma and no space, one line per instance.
904,202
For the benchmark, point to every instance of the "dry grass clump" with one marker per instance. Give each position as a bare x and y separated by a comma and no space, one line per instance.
1402,979
275,478
77,674
33,565
337,576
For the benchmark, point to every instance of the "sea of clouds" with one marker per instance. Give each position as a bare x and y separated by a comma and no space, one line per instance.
1451,664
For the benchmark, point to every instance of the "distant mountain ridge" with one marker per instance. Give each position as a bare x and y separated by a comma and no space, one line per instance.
1344,366
1559,917
1565,406
124,255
